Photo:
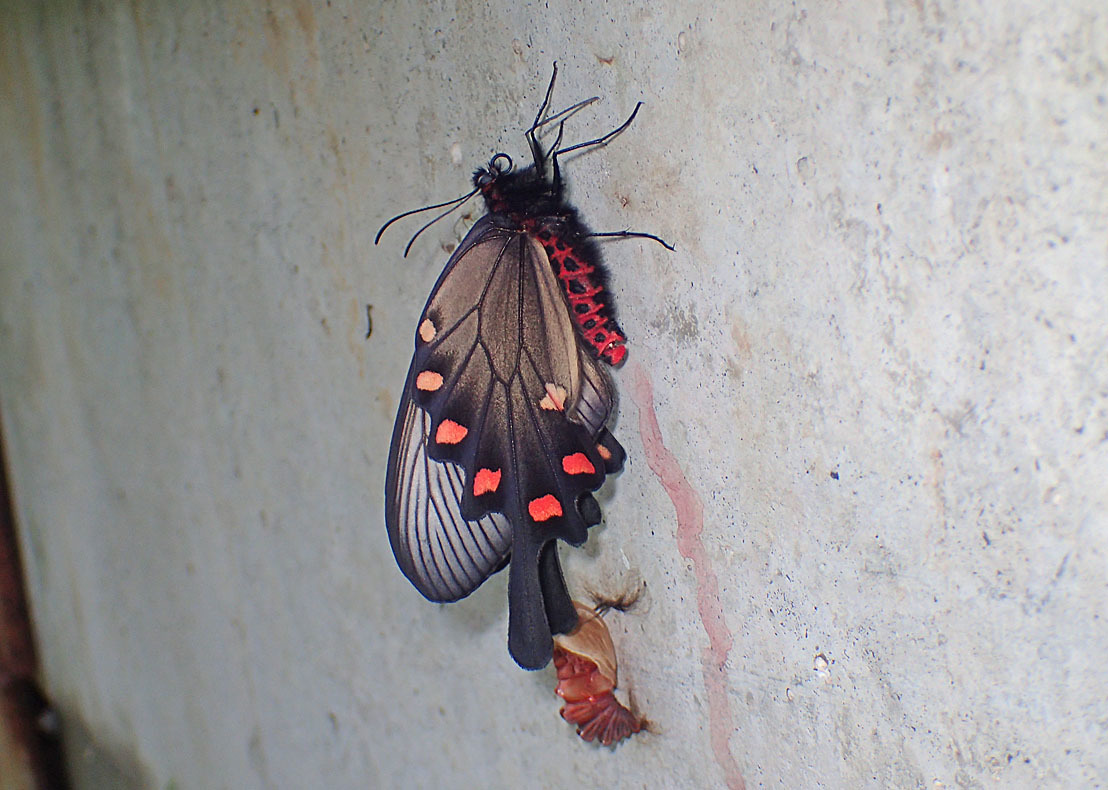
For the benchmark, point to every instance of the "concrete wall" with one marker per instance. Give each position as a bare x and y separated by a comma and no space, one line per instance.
866,407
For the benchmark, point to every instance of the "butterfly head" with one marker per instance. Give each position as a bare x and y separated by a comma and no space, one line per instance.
517,194
490,180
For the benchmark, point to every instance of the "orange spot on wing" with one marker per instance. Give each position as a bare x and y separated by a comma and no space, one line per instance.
578,464
485,481
450,432
605,453
428,381
555,398
426,331
544,508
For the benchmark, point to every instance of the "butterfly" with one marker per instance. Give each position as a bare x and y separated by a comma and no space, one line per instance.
500,437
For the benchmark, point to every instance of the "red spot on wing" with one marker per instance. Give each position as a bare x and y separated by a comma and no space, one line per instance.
428,381
544,508
486,481
450,432
578,464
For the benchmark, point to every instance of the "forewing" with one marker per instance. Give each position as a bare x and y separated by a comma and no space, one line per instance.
514,398
501,425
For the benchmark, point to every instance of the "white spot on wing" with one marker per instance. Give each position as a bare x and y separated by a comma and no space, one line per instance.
555,398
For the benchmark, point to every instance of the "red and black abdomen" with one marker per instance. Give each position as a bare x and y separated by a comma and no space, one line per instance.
576,261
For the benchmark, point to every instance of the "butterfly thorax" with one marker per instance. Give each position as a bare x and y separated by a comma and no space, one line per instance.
530,202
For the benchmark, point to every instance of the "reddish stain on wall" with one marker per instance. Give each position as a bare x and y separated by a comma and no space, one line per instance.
690,525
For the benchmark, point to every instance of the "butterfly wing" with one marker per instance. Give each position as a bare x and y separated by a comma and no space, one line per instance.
445,555
500,436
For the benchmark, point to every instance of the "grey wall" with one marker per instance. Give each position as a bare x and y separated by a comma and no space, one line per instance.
866,405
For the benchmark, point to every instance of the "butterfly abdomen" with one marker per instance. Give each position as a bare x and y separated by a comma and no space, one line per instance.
577,264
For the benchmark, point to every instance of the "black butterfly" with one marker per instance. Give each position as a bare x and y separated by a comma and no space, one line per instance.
500,437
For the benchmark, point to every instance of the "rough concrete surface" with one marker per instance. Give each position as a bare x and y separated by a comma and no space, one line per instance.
865,408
